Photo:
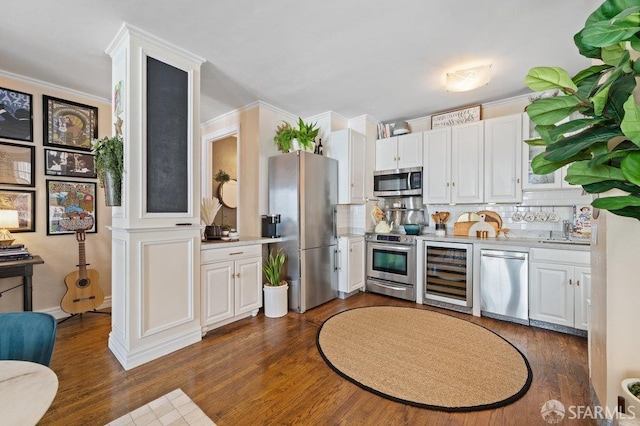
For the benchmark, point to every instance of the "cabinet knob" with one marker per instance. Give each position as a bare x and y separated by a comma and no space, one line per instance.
238,275
517,180
447,184
577,283
453,184
570,281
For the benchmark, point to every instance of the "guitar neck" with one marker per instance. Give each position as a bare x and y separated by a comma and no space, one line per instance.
82,261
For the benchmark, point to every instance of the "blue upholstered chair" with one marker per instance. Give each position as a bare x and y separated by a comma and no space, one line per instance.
27,336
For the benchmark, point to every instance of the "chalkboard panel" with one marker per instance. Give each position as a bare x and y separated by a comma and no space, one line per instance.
167,138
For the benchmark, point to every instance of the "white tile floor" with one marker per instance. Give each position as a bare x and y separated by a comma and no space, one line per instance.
172,409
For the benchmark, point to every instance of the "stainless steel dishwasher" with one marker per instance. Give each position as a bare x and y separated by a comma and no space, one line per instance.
504,285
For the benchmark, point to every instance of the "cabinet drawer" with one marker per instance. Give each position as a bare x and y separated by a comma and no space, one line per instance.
560,256
230,253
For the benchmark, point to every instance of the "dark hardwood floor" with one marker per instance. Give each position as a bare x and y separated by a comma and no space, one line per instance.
263,371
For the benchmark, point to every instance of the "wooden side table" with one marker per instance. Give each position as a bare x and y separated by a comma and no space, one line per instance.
22,268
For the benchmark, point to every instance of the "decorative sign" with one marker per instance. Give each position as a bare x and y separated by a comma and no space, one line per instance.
457,116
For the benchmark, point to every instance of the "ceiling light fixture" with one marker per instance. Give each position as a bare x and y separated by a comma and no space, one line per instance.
468,79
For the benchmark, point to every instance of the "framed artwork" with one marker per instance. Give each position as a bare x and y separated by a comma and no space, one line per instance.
69,124
70,202
16,115
454,117
25,203
69,163
17,164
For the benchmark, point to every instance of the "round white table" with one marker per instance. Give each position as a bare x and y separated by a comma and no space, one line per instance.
27,390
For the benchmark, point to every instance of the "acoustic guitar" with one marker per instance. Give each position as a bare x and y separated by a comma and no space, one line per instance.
83,292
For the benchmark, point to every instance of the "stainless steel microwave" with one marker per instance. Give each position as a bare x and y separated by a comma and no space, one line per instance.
397,183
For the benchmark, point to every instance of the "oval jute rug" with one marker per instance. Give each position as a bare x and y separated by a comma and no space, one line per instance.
423,358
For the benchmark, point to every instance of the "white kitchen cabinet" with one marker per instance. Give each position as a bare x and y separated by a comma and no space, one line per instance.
530,180
399,152
348,147
231,280
351,266
503,159
559,287
454,164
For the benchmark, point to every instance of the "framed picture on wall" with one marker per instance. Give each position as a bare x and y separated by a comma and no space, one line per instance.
17,164
69,163
69,124
25,203
69,202
16,115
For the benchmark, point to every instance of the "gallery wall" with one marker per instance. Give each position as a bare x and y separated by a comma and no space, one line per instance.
59,251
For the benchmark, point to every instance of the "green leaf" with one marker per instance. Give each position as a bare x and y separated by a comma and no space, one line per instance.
616,202
588,85
613,55
600,99
594,70
572,126
630,167
579,173
619,95
631,122
607,185
574,144
608,156
541,166
549,111
540,79
606,33
535,142
635,43
586,49
630,211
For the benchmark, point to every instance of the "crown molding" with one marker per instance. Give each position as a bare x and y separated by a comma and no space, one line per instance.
52,86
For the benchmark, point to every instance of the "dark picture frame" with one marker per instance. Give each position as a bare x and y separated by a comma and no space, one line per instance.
17,164
25,203
16,115
69,163
69,124
69,200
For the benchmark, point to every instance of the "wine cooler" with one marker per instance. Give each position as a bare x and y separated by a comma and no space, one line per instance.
448,276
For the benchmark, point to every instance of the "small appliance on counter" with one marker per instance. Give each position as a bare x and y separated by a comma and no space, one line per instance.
269,225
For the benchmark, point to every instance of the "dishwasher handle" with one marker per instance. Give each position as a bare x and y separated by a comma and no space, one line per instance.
522,256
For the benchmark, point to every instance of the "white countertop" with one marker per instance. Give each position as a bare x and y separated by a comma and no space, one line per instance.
242,241
502,241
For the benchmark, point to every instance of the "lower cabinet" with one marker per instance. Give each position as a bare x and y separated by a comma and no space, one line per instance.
351,264
559,287
231,284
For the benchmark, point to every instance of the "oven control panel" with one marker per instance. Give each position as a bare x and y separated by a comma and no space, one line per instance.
391,238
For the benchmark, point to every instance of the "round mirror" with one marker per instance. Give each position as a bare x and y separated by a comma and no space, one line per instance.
228,193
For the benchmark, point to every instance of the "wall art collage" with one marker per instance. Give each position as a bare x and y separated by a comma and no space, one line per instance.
68,129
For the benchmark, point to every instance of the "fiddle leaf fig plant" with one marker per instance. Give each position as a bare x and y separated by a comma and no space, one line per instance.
592,122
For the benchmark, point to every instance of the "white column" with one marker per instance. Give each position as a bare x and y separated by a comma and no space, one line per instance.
155,241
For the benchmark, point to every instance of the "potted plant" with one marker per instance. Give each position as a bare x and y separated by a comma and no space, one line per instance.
109,164
222,177
289,138
602,145
275,289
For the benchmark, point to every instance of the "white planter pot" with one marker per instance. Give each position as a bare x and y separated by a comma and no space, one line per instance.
632,400
276,303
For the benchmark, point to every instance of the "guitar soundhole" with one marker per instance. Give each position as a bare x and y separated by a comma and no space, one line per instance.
82,283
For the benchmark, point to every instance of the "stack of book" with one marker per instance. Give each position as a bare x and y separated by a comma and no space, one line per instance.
14,252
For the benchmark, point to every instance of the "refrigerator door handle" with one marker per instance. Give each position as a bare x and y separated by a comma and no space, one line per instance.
335,260
335,223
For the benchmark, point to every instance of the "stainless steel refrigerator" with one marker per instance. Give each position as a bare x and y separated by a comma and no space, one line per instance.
303,190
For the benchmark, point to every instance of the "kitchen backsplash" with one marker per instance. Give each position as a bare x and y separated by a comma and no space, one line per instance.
356,219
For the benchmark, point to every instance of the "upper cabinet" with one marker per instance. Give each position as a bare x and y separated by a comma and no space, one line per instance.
348,147
454,164
502,159
530,180
399,152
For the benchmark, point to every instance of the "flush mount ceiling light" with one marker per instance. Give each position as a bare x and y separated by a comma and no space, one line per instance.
468,79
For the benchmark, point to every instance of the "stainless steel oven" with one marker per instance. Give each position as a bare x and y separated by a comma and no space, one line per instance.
391,265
